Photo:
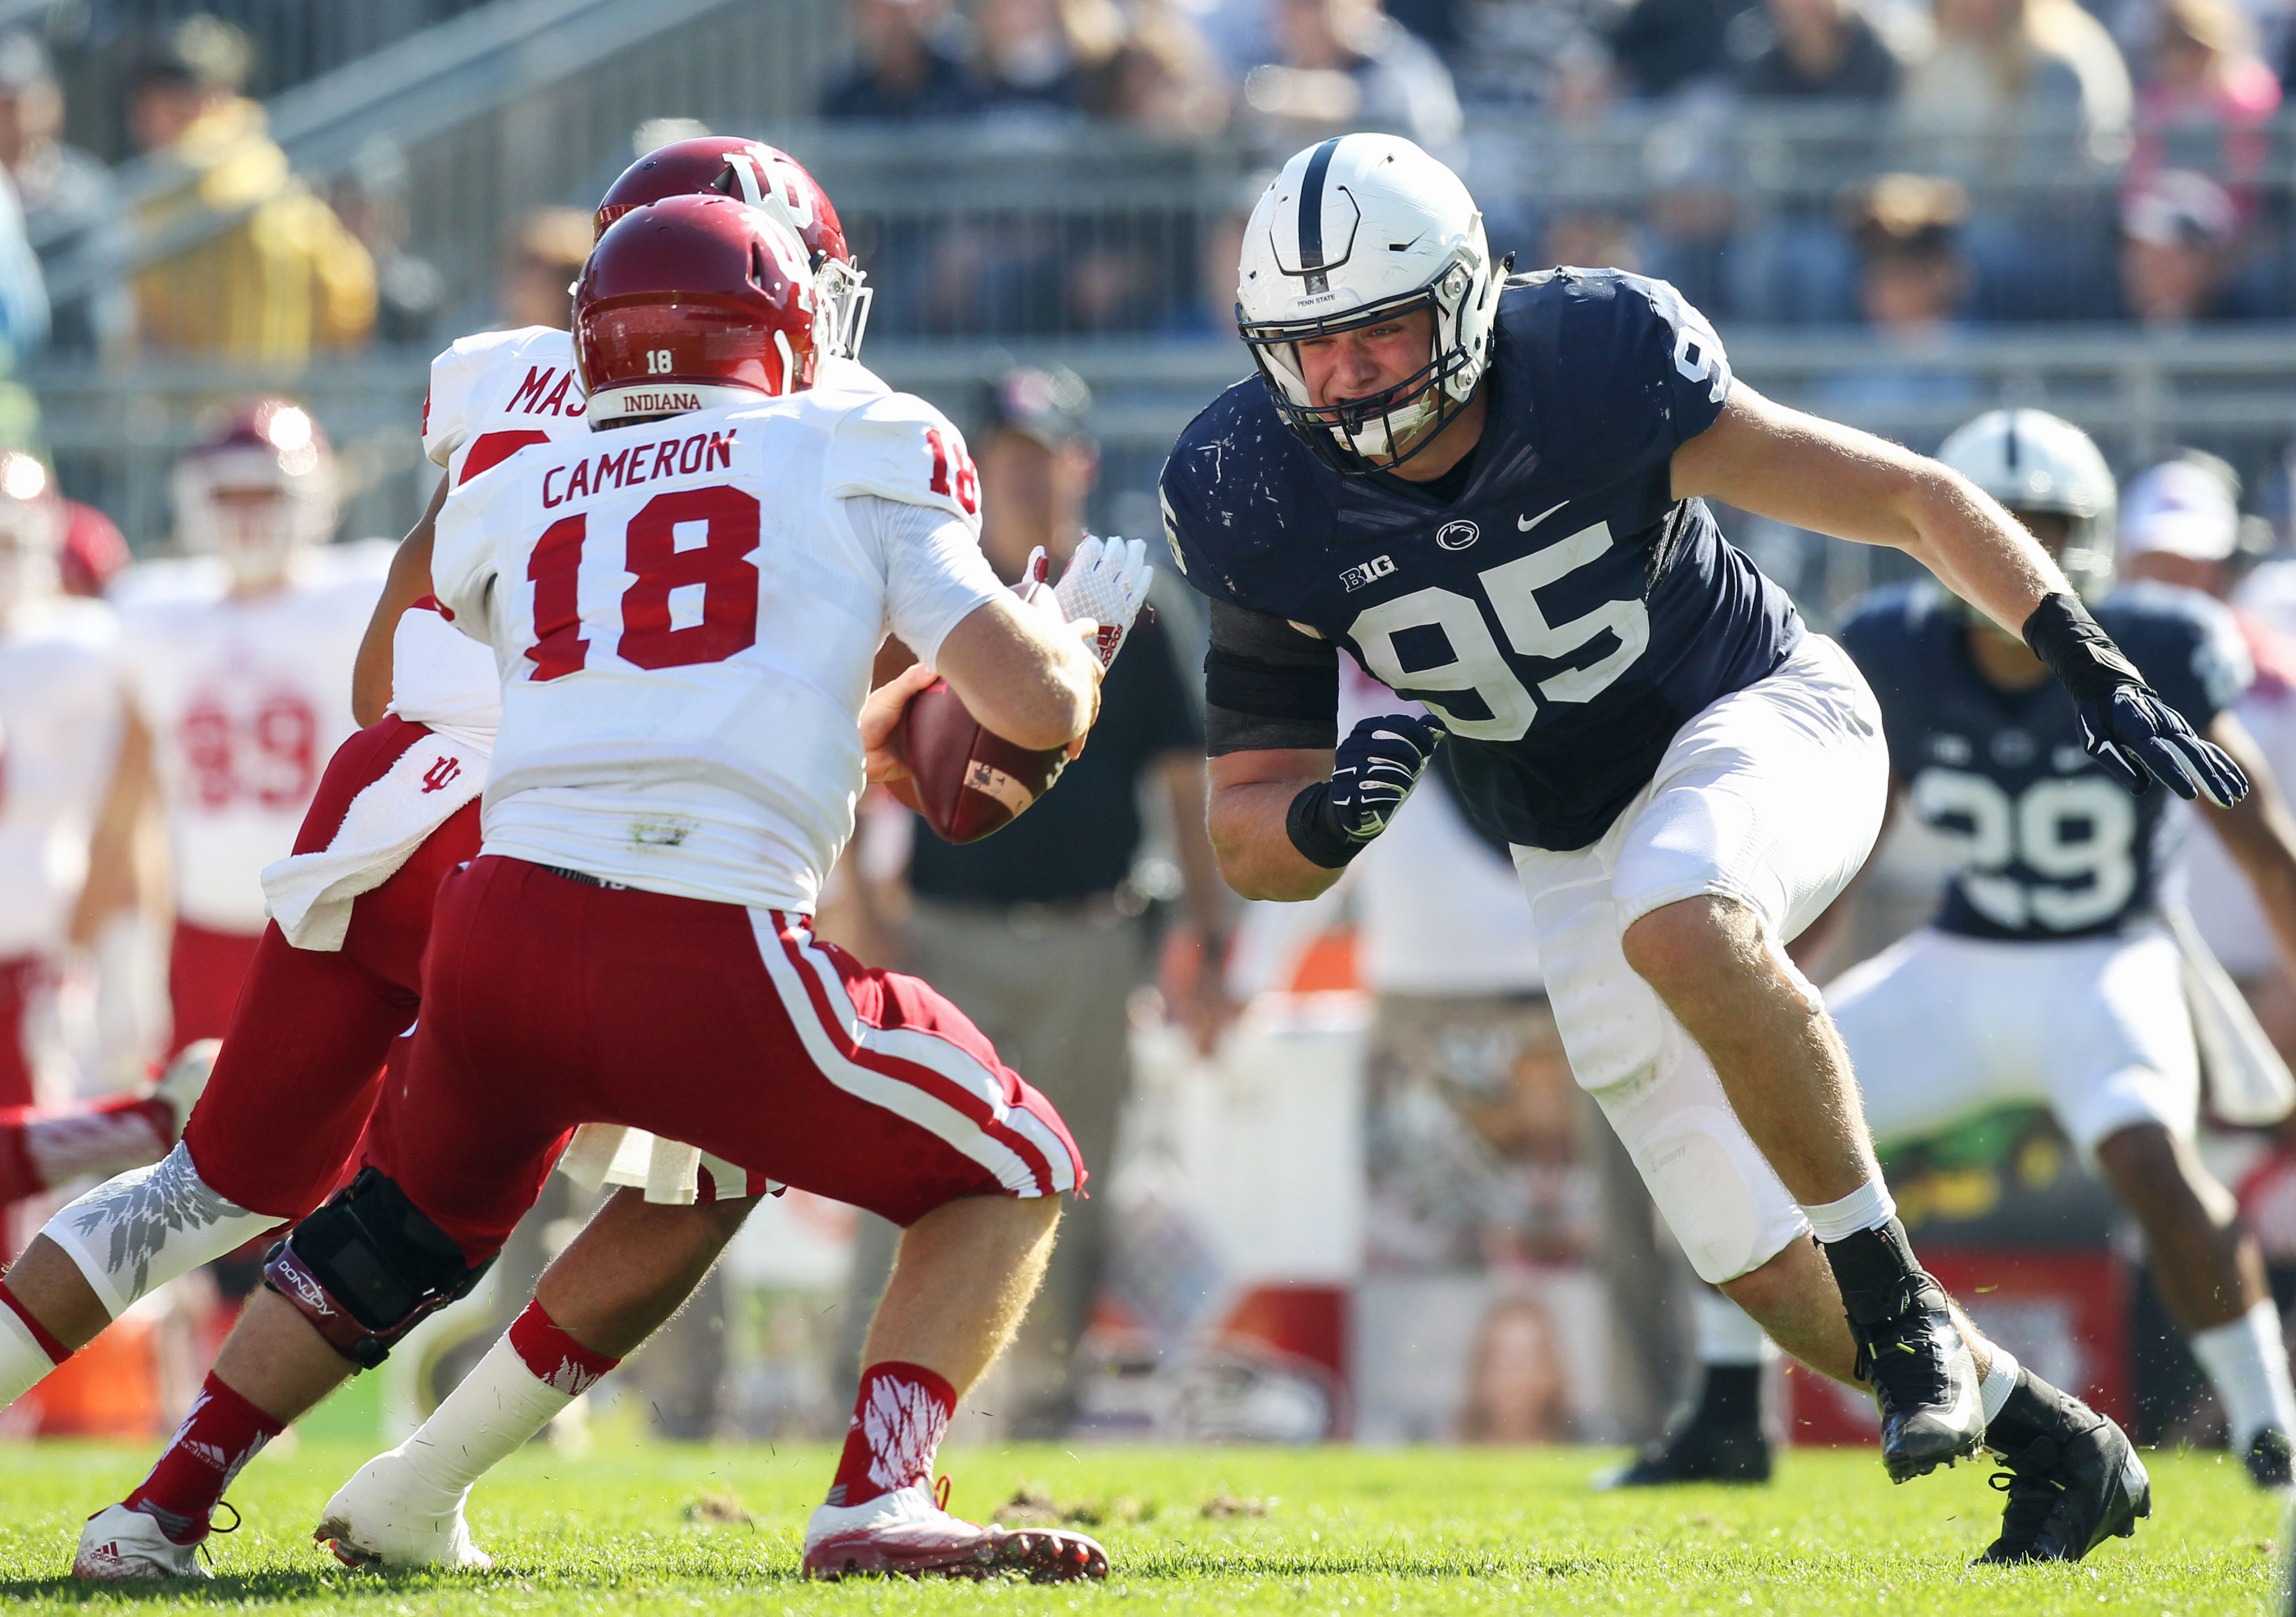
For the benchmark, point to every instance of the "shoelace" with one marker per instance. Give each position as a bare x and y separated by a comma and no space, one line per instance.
206,1554
2025,1478
1896,1355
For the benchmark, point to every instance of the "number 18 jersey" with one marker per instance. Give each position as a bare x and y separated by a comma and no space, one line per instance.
2048,845
684,615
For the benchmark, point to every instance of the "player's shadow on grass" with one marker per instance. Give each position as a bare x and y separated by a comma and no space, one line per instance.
232,1588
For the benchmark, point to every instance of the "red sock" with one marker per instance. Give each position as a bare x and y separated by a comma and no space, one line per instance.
50,1345
557,1359
221,1433
899,1421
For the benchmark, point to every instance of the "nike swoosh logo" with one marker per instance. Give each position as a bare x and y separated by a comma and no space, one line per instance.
1525,523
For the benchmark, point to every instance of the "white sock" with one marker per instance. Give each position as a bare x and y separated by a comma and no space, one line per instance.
24,1363
2247,1366
1999,1382
1726,1334
494,1412
143,1228
1867,1206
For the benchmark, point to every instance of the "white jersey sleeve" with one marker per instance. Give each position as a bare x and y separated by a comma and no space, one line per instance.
493,394
464,559
935,575
899,448
442,679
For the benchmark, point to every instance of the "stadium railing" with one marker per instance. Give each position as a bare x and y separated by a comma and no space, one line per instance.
1019,228
114,434
512,104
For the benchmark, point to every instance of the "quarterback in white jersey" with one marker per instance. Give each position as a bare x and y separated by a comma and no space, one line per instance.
685,609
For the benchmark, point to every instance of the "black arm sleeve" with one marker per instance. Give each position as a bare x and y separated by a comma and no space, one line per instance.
1267,684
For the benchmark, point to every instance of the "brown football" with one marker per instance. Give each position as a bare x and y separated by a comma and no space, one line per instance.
968,781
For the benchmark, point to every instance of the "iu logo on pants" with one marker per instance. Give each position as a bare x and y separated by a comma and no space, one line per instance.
435,778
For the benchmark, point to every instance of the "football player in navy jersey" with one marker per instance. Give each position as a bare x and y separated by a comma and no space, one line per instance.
2048,976
1488,492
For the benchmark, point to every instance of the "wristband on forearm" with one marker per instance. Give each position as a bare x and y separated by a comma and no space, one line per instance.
1313,826
2082,656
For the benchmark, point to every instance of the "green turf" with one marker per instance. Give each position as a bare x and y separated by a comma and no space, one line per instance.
1430,1530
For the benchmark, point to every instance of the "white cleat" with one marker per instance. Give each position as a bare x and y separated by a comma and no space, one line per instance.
904,1534
388,1517
124,1546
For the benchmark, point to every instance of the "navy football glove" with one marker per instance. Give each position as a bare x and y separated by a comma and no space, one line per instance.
2125,725
1373,770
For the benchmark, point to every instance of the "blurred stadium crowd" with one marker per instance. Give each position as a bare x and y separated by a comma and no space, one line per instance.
1917,164
2149,122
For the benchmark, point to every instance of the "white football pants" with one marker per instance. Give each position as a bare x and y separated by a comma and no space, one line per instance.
1773,796
1942,1027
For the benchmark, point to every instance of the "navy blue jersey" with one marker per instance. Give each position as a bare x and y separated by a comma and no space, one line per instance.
2049,845
1562,613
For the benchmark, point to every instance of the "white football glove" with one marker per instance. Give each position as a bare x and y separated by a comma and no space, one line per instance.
1031,583
1106,581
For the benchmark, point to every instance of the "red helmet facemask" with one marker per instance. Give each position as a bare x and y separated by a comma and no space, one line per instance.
693,302
765,177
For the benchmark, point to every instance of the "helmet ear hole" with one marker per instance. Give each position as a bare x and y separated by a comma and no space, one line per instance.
757,265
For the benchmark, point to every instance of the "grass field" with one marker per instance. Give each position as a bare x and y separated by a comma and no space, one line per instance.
663,1529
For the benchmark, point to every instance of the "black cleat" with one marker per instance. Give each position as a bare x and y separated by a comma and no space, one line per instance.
1923,1377
2271,1459
1701,1452
1721,1441
2072,1477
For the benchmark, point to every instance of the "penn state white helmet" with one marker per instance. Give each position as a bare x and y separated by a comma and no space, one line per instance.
2030,460
1357,229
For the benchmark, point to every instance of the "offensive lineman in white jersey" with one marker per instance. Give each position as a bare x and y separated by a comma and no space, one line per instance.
354,906
239,667
685,751
67,793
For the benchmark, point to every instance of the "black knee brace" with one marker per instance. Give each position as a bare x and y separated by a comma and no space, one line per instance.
367,1267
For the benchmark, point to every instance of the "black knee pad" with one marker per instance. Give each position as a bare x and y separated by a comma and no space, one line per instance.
367,1267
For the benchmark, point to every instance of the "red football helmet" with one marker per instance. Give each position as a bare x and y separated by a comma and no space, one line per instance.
259,487
691,302
763,176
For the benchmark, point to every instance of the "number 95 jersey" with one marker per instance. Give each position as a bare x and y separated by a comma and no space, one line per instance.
2048,845
684,613
1560,610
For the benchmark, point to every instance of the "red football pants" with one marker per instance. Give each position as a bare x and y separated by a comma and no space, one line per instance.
21,980
553,1002
206,970
301,1066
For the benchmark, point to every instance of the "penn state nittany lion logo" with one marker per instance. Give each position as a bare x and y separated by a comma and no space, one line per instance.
1458,535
